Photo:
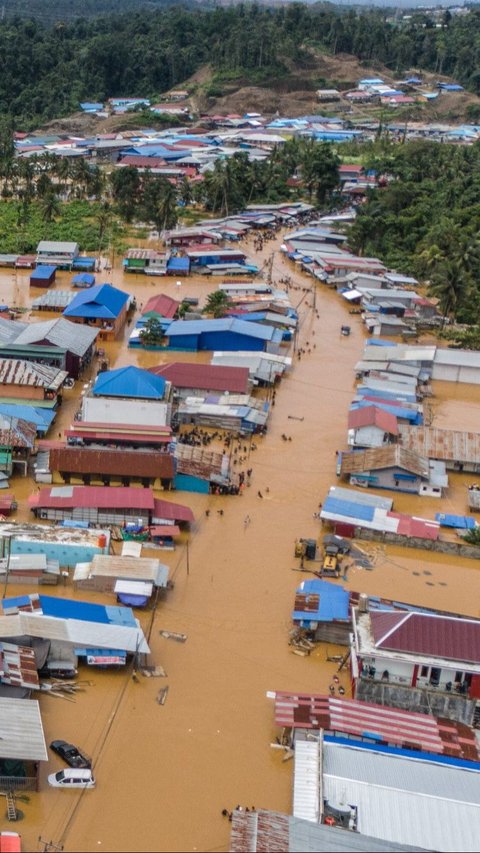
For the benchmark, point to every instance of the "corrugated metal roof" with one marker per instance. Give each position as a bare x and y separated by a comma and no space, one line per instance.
238,327
360,497
163,305
75,631
375,459
371,416
457,358
169,511
100,302
130,381
72,337
133,462
100,497
321,601
404,729
21,730
404,800
446,444
54,299
307,782
276,833
131,568
205,377
15,371
57,246
428,634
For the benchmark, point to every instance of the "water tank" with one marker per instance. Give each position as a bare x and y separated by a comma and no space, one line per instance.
310,549
341,813
102,540
363,603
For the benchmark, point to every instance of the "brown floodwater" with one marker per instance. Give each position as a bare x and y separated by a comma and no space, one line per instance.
164,773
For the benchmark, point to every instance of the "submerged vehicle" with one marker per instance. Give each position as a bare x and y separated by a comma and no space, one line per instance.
71,754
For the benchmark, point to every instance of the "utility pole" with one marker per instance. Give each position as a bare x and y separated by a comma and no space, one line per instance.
50,846
188,558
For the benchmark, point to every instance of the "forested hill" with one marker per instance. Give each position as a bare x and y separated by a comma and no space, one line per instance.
46,70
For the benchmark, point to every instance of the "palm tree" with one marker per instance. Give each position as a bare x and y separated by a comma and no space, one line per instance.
166,215
50,207
217,304
450,285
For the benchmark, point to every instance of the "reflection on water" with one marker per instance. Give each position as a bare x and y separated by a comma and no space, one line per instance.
164,773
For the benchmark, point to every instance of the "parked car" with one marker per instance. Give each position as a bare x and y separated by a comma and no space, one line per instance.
72,779
71,754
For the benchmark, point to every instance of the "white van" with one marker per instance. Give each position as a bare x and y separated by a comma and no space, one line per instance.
72,778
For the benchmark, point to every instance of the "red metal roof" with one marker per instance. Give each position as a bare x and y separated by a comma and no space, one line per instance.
404,729
205,377
115,435
428,634
350,168
163,305
372,416
100,497
171,512
411,526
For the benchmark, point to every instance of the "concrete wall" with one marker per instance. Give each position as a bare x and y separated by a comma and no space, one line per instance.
457,549
416,699
109,410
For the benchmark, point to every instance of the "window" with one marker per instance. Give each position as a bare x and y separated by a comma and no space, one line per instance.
458,675
435,674
424,672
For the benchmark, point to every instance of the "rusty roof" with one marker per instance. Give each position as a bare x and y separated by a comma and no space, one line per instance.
404,729
17,666
15,371
124,462
391,456
444,444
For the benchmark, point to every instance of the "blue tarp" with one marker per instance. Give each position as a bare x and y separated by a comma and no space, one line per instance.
83,264
132,600
380,342
462,522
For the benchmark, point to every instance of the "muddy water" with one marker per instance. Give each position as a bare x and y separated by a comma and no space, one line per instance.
164,773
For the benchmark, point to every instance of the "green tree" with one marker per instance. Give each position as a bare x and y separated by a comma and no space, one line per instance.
49,207
217,304
152,333
125,184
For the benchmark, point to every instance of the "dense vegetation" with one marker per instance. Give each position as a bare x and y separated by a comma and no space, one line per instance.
427,220
46,70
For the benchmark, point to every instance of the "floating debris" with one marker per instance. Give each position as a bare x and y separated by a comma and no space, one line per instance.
162,695
153,672
173,635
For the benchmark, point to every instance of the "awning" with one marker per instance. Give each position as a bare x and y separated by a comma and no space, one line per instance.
160,530
143,588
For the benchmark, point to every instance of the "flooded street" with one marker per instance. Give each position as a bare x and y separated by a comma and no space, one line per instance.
164,773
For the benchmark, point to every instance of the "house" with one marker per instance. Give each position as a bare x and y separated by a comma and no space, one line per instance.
102,306
371,427
239,412
56,342
223,334
184,237
264,368
386,325
460,451
60,545
53,300
426,662
88,433
148,261
191,379
210,257
113,465
455,365
324,609
128,395
23,380
58,253
102,634
103,572
347,512
393,467
43,275
17,440
97,505
22,747
160,307
328,95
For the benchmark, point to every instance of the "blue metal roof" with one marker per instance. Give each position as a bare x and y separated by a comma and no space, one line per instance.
44,271
102,302
178,264
227,324
333,602
130,381
405,753
85,278
380,342
42,418
68,608
349,508
462,522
